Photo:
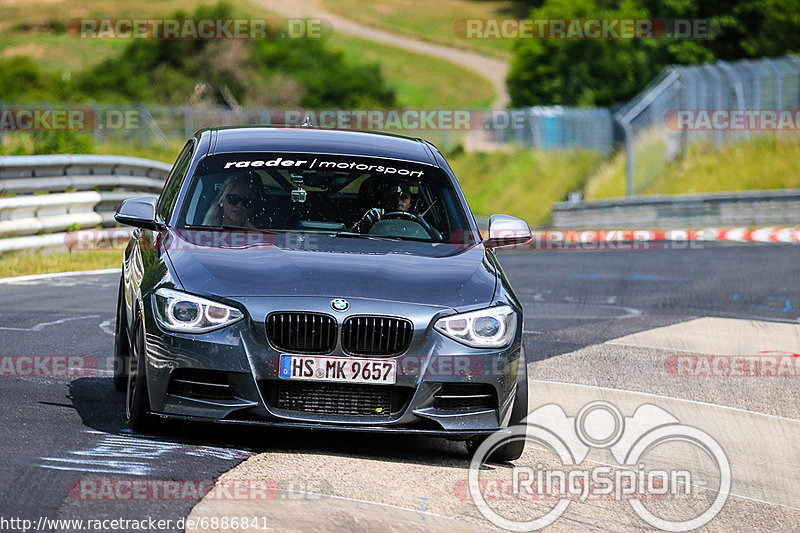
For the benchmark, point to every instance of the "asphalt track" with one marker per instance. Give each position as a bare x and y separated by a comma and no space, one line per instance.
599,326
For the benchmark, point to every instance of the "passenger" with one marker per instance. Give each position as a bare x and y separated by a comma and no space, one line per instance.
239,201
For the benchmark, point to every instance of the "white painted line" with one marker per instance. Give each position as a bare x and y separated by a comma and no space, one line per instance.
108,326
699,485
96,466
718,336
34,277
650,394
629,312
90,470
41,326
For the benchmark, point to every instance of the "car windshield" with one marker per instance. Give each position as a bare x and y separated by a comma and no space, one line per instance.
347,196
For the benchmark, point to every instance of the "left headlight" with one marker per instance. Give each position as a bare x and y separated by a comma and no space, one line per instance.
186,313
493,327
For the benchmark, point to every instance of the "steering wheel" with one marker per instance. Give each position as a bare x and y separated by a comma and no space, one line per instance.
414,218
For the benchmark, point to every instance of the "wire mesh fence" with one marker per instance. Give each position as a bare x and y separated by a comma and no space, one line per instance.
543,128
716,103
548,128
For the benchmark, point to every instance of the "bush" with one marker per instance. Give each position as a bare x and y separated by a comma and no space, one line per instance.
21,80
249,72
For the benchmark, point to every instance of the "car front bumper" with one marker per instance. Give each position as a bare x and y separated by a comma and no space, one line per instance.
230,376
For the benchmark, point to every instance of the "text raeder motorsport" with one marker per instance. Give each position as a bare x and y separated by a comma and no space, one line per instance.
315,163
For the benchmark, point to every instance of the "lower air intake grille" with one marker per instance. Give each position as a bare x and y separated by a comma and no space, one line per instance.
466,396
302,332
200,384
376,335
335,398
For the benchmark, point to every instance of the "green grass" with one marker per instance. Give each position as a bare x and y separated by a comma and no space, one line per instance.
58,53
25,143
165,154
522,183
649,163
433,21
63,53
25,263
766,162
419,80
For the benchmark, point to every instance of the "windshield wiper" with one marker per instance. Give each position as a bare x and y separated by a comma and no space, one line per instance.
228,227
355,235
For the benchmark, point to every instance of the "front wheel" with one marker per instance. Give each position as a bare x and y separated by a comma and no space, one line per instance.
137,403
121,345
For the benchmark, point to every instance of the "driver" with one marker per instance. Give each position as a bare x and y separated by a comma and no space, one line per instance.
393,196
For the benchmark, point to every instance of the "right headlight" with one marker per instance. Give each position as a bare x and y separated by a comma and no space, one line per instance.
492,327
187,313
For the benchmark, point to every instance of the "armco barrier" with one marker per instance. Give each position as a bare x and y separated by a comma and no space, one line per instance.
751,208
82,191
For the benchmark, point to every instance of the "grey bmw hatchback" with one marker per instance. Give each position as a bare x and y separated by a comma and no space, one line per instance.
318,279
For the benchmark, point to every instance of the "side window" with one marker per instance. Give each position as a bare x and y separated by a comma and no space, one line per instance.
174,181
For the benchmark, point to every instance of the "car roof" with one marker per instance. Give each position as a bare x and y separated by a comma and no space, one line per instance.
318,141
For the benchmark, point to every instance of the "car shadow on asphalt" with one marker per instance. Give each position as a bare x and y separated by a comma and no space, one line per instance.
102,408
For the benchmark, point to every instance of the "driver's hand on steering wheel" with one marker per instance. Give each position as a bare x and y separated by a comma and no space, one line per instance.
368,220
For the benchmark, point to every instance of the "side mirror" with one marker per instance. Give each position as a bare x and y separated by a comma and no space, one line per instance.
505,230
139,212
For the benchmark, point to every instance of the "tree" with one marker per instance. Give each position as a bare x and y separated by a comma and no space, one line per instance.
607,72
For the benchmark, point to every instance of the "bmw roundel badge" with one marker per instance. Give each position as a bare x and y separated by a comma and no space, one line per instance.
340,304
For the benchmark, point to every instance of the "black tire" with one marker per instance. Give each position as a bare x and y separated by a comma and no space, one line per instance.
514,449
122,345
137,402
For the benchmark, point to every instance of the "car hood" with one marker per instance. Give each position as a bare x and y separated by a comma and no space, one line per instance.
439,274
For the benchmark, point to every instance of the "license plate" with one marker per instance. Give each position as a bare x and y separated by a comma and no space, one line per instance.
346,369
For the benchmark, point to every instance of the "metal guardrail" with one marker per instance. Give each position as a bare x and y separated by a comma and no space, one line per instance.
83,191
750,208
86,164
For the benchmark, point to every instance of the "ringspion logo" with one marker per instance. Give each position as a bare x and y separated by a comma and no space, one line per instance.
629,478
